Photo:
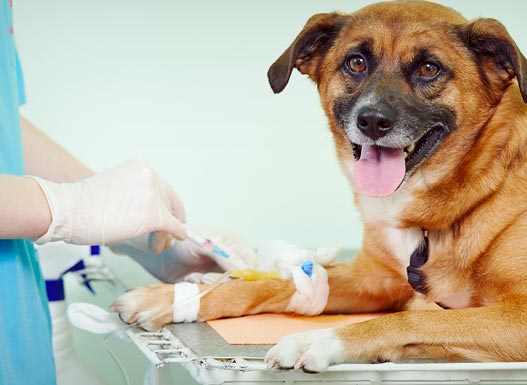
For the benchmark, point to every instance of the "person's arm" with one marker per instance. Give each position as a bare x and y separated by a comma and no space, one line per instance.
24,210
74,194
46,159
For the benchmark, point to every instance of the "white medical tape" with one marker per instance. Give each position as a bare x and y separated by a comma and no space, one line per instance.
186,302
311,296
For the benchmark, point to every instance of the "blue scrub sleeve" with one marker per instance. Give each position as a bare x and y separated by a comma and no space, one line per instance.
20,81
26,356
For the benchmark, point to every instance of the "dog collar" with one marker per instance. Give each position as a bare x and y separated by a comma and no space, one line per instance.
419,257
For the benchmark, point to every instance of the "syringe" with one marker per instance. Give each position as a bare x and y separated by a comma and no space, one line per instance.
206,243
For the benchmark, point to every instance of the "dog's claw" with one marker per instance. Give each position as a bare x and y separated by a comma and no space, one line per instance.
148,307
311,351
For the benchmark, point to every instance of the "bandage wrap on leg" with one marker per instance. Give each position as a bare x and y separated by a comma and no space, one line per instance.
186,302
312,287
312,292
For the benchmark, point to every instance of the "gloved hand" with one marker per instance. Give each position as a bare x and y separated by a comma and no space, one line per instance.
121,203
184,257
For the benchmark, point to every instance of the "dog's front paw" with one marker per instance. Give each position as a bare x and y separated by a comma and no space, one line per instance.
311,351
149,307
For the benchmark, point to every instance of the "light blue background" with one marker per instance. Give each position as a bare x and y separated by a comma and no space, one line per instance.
183,84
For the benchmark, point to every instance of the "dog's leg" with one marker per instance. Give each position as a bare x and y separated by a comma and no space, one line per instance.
493,333
362,285
151,307
371,282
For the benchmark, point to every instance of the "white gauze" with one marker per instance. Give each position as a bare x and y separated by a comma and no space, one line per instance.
311,294
92,318
186,302
312,291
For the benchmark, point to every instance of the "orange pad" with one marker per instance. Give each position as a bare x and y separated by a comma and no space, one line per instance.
267,329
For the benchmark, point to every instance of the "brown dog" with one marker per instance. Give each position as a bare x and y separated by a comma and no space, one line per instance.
428,115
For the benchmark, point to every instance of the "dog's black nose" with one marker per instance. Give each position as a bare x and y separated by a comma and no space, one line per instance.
375,122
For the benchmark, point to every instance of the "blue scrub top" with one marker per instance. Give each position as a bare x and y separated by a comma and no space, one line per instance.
26,356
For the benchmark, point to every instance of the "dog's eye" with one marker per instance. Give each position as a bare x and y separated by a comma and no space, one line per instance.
357,63
428,70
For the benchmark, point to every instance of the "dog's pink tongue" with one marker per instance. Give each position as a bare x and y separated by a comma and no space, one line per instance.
379,171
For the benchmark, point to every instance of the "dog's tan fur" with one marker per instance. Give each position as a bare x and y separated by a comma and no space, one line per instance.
470,195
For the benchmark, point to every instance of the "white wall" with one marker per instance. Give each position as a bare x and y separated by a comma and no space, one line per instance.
183,84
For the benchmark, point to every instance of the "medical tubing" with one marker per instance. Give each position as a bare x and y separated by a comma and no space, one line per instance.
115,358
112,354
203,293
214,285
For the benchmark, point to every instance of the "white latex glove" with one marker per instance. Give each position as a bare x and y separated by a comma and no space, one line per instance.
184,257
121,203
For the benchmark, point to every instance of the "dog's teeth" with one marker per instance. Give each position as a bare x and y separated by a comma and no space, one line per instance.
405,154
411,147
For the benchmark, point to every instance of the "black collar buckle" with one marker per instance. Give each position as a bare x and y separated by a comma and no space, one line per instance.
419,257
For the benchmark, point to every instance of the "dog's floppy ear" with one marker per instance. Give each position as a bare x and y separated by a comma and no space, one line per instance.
309,46
489,40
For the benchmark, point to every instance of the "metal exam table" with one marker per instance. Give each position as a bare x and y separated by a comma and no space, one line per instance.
210,360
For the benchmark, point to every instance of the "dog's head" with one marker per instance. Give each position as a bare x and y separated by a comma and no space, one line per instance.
398,80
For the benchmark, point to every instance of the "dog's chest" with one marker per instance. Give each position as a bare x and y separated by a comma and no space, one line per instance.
443,285
384,215
402,242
